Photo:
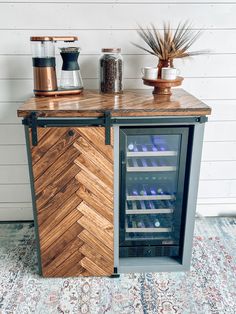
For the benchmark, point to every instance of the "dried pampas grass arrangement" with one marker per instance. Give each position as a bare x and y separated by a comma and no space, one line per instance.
170,44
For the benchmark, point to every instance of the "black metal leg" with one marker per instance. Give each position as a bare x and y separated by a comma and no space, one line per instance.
107,128
115,274
34,129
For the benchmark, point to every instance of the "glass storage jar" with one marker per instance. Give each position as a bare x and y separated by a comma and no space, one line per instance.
111,71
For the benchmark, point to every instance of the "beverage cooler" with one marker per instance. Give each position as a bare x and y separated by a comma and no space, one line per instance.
154,172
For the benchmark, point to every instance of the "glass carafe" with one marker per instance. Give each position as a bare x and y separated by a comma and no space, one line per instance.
70,74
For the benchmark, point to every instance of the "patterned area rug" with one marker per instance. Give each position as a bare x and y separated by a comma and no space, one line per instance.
210,286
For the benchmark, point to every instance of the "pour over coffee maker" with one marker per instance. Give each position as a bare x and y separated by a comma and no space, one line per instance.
70,73
44,66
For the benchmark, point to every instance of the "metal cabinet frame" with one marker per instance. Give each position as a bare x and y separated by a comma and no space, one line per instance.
140,264
159,264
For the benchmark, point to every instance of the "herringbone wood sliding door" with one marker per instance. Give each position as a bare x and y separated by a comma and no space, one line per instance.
73,181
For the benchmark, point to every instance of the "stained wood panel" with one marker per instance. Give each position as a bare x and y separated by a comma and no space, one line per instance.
73,180
137,102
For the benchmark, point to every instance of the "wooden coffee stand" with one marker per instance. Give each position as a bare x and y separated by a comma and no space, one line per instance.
71,146
163,87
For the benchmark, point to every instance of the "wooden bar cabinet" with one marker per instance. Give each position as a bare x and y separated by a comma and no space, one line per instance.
85,151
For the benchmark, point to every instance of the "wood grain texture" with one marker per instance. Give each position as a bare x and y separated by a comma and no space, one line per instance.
73,181
130,103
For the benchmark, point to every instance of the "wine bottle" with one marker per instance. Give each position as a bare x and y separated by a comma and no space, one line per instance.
144,148
138,205
168,204
134,204
129,205
135,191
135,164
162,147
142,205
131,147
155,140
130,224
153,191
139,163
154,163
166,187
140,224
135,148
157,223
152,205
130,163
144,162
129,190
160,204
160,191
149,224
148,204
143,191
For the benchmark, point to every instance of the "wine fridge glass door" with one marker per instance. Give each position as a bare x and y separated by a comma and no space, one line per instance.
152,190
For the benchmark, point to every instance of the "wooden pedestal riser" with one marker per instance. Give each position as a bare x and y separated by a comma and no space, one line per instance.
73,181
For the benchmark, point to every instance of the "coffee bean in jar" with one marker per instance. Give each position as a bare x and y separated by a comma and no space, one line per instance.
111,71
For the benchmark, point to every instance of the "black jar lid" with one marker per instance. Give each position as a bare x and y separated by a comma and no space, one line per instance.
111,50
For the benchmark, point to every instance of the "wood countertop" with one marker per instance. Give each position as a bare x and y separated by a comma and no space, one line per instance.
131,103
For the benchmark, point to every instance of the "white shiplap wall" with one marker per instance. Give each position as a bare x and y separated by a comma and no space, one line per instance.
112,23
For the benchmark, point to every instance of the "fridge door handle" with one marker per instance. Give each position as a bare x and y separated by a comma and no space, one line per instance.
122,193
